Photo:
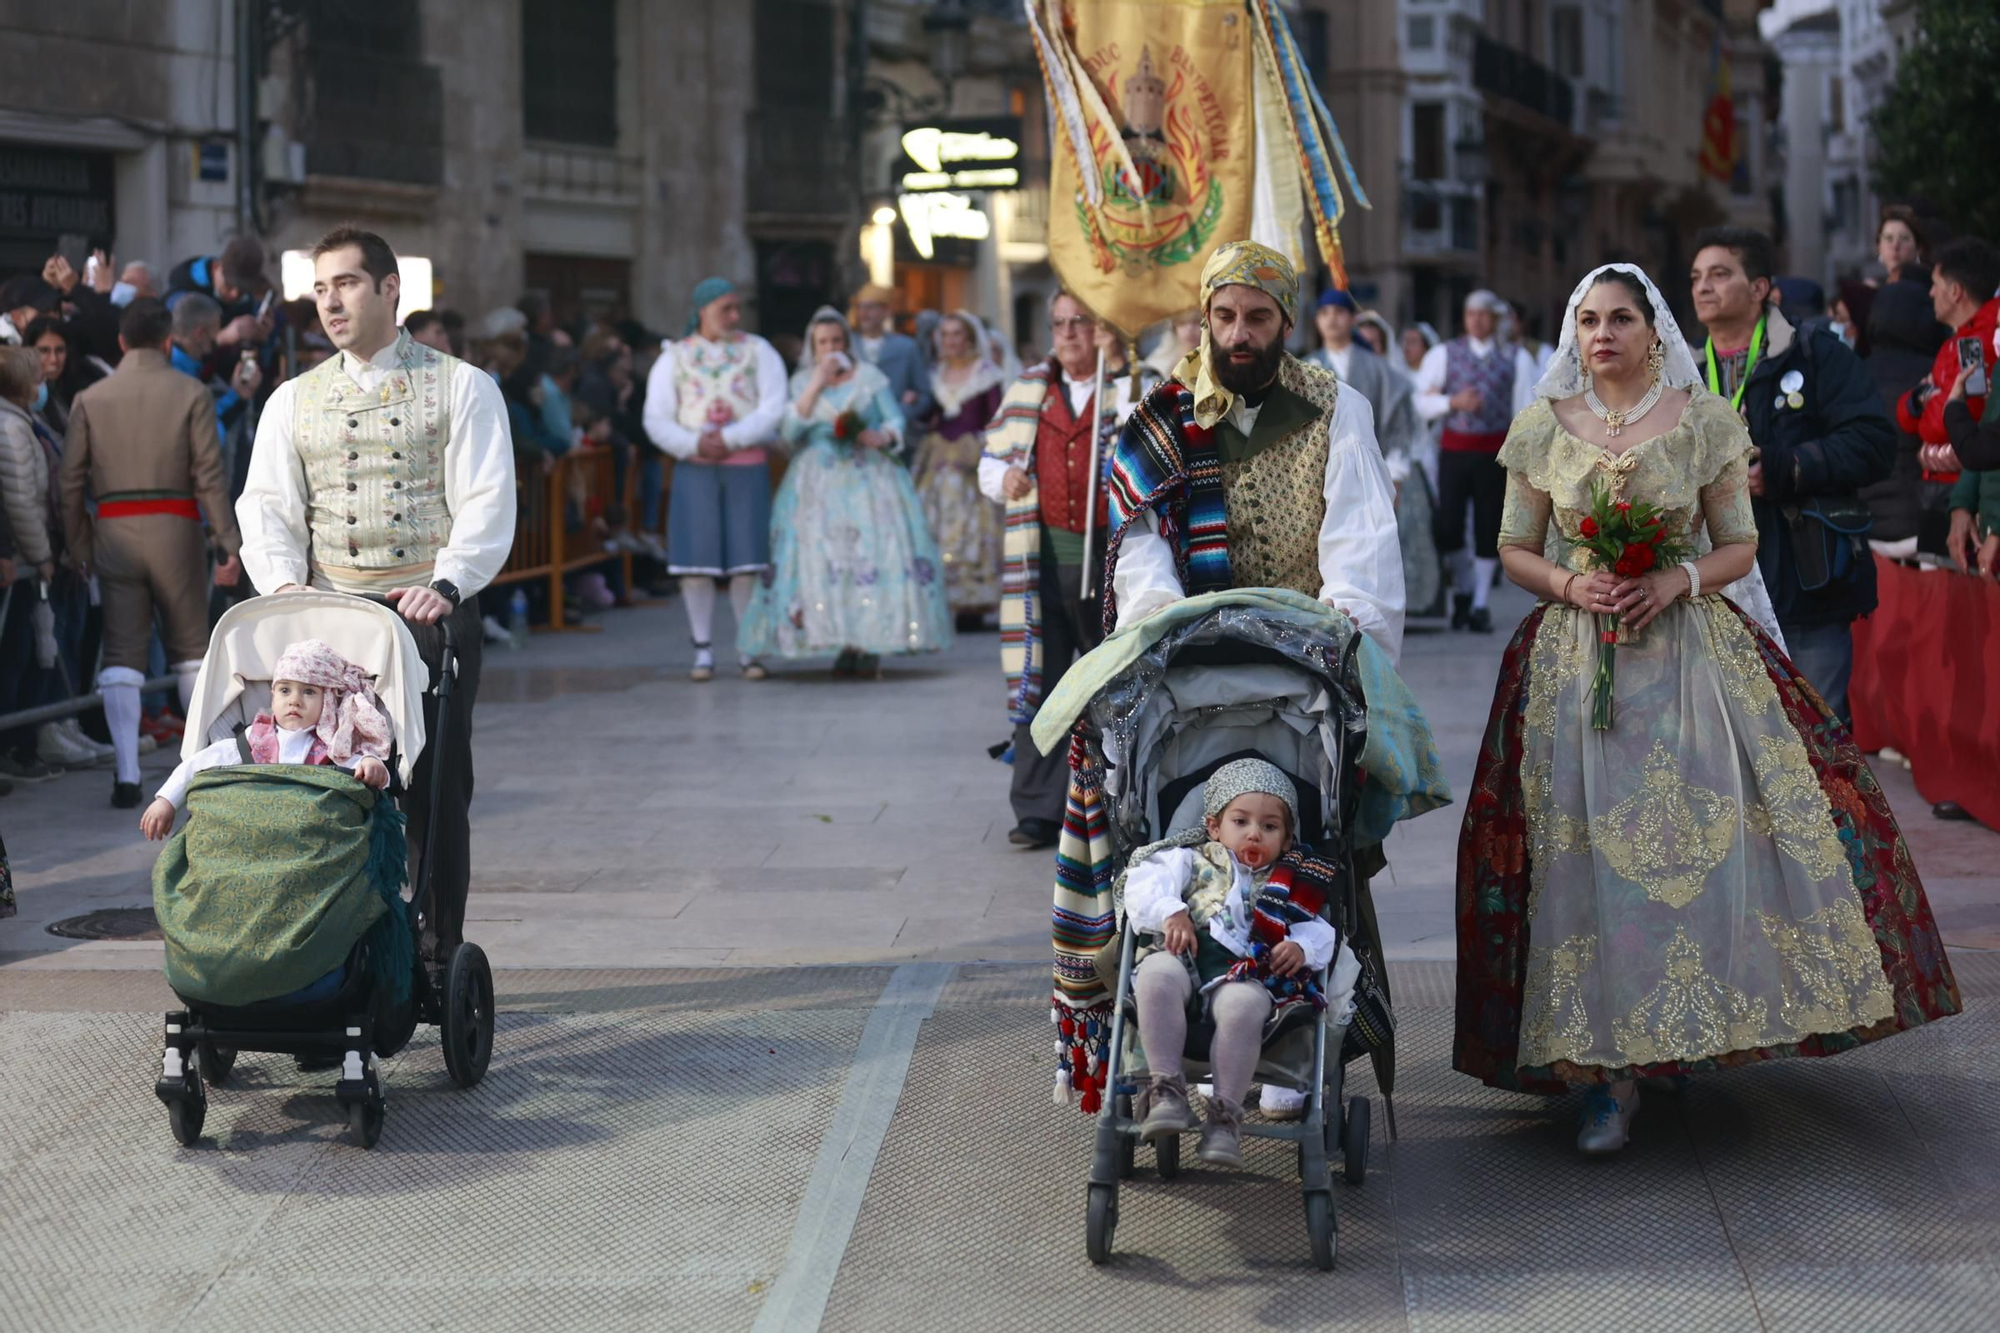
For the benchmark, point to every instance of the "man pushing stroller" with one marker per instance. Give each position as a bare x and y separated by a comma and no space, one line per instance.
1238,915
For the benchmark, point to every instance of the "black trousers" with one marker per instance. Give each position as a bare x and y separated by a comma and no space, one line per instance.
451,871
1071,627
1466,478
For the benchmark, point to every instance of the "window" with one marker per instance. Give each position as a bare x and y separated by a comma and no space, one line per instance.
1423,32
794,46
569,71
1566,40
1427,142
1312,39
1836,104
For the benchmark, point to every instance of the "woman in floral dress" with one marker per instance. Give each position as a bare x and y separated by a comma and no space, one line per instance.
966,386
1716,879
853,568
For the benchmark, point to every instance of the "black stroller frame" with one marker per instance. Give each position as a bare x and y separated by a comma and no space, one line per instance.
455,995
1331,1125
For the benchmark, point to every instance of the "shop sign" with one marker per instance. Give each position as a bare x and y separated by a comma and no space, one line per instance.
47,192
930,217
964,154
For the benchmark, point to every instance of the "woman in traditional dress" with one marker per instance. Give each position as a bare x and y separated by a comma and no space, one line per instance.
1715,879
966,386
854,570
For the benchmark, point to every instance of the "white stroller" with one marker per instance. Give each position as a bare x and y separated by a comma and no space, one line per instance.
1240,681
353,1018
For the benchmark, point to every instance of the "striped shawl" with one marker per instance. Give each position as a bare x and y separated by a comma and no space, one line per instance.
1011,440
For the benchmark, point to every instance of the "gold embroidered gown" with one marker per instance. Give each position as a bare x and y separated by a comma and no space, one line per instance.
1715,879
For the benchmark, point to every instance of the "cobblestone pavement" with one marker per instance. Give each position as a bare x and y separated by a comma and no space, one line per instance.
772,1054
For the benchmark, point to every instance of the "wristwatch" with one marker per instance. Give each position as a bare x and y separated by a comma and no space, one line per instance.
448,590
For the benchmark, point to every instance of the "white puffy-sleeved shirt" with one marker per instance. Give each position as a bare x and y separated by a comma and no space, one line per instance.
1360,554
1433,402
478,485
753,430
293,747
1156,888
993,471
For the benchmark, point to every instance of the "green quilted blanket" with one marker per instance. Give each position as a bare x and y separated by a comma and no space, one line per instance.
278,871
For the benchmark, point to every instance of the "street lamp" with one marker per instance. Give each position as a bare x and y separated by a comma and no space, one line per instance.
947,26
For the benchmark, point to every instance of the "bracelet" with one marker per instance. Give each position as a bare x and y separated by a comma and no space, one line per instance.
1694,579
1570,583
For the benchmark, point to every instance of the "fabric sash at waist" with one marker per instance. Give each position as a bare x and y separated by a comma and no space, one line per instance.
1460,442
132,504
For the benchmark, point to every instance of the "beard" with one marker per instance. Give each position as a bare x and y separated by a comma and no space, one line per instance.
1246,377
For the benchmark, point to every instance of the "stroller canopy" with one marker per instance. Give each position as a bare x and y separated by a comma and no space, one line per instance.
1261,669
235,680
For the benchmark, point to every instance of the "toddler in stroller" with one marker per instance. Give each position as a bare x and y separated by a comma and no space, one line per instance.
1234,931
280,899
322,712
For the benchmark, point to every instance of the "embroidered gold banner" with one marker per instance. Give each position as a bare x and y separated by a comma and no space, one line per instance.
1161,92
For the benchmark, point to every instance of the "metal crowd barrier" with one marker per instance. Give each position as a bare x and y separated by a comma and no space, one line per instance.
556,529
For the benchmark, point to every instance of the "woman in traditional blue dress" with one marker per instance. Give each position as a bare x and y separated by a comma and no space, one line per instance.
854,569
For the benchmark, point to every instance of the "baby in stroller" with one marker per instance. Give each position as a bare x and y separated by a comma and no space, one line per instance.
1229,933
322,712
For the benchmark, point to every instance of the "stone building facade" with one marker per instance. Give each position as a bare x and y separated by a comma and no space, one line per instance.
610,153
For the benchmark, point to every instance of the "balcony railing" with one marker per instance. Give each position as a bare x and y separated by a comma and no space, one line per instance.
375,119
799,164
1028,220
1501,71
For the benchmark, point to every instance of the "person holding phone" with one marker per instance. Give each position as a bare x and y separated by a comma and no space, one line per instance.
1962,285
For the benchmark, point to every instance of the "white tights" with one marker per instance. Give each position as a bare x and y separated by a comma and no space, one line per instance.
698,596
1162,987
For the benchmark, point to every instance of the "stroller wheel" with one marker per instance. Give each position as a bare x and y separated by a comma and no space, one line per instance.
1167,1156
184,1117
1354,1141
216,1062
364,1122
1103,1221
467,1030
1320,1227
1128,1144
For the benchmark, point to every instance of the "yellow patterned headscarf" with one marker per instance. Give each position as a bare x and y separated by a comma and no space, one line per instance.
1237,264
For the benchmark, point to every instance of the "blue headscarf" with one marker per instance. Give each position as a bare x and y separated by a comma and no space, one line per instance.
706,291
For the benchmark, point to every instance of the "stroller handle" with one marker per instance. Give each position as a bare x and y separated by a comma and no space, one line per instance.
447,679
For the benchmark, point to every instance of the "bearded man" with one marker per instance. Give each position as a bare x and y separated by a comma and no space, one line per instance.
1250,468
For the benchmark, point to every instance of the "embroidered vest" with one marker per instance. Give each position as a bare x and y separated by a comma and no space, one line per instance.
1275,499
1062,464
709,376
1492,375
374,464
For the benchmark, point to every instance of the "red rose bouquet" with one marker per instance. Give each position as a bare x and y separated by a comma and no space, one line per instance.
847,427
1629,539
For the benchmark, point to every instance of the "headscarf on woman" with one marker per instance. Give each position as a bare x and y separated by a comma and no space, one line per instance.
1564,378
866,379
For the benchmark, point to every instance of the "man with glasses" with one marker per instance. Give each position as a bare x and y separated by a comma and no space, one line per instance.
1037,464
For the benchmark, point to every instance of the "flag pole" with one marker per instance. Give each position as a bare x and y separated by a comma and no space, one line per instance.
1090,493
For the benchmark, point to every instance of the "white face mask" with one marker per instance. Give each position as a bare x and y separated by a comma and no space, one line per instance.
1842,331
122,293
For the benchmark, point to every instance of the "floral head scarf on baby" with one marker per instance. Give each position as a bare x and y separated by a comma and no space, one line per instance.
351,721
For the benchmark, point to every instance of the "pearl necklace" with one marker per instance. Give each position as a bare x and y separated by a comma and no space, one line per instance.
1617,421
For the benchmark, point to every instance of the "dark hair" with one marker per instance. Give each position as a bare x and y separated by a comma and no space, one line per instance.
378,261
420,320
145,323
1972,264
242,264
1629,280
1906,215
1752,248
41,324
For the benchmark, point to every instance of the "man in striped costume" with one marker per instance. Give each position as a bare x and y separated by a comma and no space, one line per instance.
1037,464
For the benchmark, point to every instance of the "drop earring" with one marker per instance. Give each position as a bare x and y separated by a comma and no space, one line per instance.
1656,359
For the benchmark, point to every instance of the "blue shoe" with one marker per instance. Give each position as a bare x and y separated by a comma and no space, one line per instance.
1607,1122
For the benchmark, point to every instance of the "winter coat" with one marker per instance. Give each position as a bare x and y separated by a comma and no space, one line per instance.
24,485
1818,455
1903,339
1929,423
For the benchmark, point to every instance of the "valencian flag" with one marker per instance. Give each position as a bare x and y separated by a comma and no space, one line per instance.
1180,124
1718,123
